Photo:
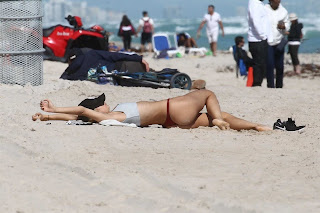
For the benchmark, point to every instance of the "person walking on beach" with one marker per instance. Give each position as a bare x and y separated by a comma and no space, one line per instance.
213,21
258,34
294,37
279,20
146,24
126,30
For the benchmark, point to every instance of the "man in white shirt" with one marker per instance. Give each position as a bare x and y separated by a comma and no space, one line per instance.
258,34
279,19
147,26
213,21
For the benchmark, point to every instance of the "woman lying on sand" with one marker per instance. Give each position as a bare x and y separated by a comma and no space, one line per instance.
182,112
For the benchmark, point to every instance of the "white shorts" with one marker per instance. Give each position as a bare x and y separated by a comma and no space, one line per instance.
213,36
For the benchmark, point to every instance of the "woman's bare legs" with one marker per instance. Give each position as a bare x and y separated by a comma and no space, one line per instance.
297,69
185,110
240,124
203,119
191,43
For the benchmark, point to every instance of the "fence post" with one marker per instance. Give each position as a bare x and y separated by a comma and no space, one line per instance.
21,45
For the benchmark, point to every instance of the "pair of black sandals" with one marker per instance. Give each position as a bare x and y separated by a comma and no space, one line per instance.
289,125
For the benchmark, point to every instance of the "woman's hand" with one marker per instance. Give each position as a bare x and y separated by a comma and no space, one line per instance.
146,65
40,116
221,124
47,106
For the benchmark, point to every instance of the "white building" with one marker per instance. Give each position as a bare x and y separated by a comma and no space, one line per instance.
55,12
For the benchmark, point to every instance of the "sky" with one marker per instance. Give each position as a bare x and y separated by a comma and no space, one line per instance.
195,8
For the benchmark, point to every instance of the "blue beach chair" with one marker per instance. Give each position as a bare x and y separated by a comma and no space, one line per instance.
161,42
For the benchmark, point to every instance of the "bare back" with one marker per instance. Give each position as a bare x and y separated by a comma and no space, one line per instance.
152,112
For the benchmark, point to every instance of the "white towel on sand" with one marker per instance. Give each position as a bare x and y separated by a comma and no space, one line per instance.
116,123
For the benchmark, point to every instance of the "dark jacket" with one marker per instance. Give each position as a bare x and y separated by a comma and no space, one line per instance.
78,69
295,32
242,54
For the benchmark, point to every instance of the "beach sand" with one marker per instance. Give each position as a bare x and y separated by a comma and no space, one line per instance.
52,167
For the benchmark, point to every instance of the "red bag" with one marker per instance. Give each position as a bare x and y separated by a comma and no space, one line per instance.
250,77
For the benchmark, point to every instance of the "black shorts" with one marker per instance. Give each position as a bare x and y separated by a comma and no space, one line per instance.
146,38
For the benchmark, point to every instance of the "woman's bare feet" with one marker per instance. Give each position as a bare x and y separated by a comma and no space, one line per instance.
221,124
262,128
40,116
47,106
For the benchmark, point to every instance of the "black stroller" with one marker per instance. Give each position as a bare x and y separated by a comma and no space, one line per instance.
167,78
133,74
124,73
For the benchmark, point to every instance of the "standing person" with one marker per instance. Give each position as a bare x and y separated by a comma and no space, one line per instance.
213,21
279,20
126,30
147,26
258,34
294,37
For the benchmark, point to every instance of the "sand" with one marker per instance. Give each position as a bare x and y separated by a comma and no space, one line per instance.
52,167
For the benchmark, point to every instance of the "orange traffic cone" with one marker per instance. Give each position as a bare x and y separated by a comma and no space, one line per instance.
250,77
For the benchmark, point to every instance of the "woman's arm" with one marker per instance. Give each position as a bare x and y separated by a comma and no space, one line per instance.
54,117
61,117
82,111
47,106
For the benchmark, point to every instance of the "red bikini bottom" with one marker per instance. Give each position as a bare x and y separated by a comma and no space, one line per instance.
169,122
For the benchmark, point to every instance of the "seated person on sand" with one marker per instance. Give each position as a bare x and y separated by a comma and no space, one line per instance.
241,53
113,47
186,41
183,112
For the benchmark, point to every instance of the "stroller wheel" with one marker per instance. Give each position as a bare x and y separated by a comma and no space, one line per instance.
181,81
